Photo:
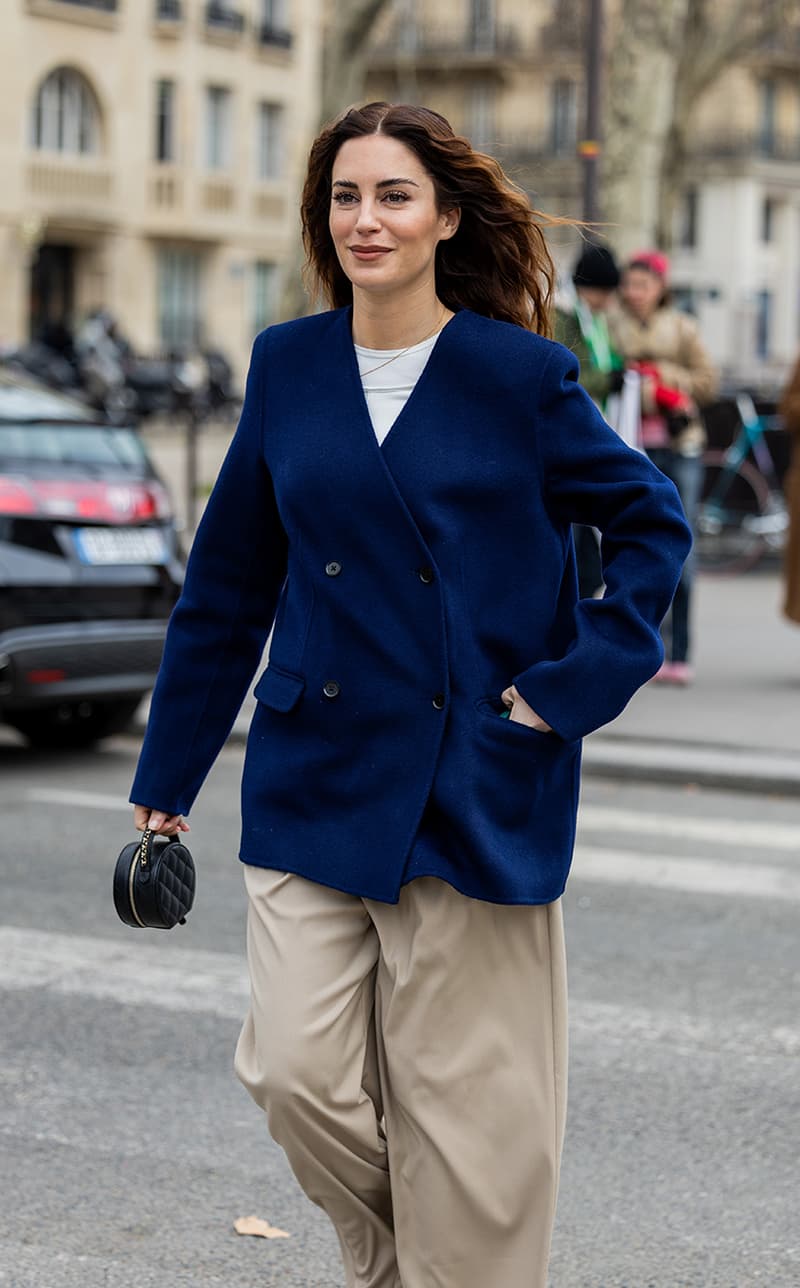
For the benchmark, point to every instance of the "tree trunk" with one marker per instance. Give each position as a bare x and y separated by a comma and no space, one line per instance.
345,60
640,95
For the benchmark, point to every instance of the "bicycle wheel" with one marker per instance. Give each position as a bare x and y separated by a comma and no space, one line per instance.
723,543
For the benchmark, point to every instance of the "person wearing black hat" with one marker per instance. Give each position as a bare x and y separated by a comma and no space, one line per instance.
583,329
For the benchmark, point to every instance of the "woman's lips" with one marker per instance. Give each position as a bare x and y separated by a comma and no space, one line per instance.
369,253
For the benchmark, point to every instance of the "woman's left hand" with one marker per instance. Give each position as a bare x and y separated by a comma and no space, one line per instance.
522,713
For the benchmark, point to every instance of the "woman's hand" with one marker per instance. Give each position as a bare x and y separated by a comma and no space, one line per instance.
522,713
157,821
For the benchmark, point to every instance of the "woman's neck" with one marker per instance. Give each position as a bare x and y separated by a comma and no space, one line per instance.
385,323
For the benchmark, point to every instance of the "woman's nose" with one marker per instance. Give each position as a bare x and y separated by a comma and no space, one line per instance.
367,217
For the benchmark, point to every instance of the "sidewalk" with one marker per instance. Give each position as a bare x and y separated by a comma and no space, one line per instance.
737,726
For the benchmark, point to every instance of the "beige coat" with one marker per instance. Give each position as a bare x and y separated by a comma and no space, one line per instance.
790,411
671,341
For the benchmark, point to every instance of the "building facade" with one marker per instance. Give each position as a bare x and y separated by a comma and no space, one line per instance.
510,74
151,155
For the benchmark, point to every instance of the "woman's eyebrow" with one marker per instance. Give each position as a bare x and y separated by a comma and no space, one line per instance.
383,183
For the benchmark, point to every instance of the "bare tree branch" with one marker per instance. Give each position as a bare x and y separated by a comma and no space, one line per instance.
710,46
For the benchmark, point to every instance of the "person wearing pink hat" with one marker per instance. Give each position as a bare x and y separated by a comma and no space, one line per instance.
677,377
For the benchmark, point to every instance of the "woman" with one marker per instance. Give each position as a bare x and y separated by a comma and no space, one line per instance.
677,378
397,499
790,411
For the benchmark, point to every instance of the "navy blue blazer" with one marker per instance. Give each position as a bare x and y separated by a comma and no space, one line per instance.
408,584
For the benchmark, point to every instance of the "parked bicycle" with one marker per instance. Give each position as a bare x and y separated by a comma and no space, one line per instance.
743,514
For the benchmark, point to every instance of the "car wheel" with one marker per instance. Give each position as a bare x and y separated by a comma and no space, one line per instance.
73,724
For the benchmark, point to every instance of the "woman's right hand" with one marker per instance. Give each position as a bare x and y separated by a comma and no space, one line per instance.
157,821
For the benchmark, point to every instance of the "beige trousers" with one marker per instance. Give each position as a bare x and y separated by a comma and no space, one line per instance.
411,1060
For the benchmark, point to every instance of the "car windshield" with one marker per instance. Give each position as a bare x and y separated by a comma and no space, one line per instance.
70,445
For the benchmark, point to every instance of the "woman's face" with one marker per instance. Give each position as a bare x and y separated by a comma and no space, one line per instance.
641,291
384,219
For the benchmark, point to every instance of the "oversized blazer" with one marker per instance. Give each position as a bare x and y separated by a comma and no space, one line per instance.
407,584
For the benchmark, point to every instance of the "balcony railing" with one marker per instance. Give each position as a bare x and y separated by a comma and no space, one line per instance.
278,37
165,189
87,183
415,40
105,6
219,17
747,146
217,196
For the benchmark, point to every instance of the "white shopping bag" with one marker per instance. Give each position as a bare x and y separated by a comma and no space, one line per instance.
624,410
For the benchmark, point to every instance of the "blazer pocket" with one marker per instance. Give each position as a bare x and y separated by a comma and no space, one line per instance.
279,690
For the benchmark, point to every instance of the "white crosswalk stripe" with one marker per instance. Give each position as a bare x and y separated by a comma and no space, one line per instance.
692,875
755,835
172,978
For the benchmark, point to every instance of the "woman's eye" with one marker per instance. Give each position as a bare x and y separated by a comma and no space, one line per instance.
390,197
344,198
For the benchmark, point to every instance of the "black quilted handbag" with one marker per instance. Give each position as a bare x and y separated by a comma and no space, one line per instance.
154,882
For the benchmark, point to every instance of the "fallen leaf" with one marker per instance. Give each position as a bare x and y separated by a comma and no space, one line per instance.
257,1225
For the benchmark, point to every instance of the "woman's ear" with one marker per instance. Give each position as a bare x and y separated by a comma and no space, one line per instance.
450,221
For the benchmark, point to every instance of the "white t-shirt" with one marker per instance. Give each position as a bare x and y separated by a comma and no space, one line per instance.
387,389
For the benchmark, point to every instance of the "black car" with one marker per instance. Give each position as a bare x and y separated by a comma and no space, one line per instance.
90,568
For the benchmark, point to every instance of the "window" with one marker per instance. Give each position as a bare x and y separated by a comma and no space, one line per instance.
767,219
218,128
480,114
270,162
482,23
687,226
763,324
165,120
563,116
275,13
65,114
274,23
179,302
767,117
265,294
685,299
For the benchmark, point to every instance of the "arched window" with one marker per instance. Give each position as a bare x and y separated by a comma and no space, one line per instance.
65,114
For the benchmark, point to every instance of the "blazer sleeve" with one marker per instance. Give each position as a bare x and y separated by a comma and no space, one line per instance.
590,476
219,626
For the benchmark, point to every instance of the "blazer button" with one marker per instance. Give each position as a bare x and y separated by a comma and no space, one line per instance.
426,574
333,568
331,689
439,701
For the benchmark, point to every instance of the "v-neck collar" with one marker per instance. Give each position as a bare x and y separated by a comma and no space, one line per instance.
419,387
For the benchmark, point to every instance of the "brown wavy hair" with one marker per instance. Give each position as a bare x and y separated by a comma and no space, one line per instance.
497,263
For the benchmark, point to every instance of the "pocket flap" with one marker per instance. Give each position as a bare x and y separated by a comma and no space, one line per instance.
279,690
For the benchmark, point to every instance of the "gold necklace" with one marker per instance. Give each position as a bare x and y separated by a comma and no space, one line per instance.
395,356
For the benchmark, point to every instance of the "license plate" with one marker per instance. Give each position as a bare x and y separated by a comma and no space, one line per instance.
120,546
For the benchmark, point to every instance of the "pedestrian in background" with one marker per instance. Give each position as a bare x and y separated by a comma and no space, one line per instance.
397,500
790,411
582,327
677,377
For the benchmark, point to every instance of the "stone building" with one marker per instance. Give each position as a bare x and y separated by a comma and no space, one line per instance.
151,152
510,74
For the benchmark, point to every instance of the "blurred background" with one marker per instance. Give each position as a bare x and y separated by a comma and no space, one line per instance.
152,150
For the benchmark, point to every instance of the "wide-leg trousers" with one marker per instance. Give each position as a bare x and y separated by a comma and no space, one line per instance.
411,1059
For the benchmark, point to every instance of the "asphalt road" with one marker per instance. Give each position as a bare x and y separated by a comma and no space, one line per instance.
128,1148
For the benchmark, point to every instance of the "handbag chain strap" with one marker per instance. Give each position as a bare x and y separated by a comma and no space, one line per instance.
145,847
